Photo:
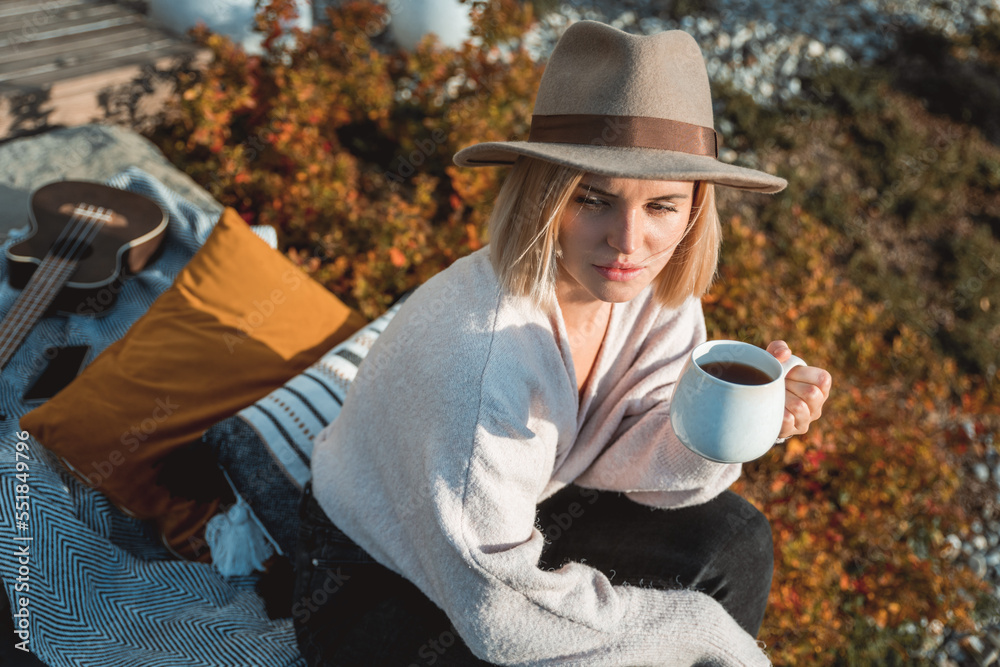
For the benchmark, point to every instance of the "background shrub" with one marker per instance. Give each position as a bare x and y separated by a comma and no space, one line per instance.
346,149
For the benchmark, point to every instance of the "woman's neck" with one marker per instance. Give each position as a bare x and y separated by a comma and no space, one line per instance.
586,320
580,309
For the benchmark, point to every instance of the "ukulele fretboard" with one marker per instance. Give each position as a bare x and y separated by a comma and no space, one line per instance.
53,272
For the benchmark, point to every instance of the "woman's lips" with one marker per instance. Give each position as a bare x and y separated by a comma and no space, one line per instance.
619,274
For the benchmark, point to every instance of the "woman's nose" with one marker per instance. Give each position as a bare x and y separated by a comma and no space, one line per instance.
625,235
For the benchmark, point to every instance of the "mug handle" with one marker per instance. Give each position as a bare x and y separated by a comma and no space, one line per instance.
791,363
786,366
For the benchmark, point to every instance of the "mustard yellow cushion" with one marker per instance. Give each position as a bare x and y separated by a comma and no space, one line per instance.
239,321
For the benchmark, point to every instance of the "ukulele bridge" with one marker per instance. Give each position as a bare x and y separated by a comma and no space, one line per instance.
94,214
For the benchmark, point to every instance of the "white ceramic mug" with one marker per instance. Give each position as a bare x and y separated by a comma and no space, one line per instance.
725,421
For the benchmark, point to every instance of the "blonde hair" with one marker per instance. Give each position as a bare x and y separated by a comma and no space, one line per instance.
524,228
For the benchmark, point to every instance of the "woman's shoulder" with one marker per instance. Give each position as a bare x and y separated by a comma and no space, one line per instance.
468,283
460,333
465,298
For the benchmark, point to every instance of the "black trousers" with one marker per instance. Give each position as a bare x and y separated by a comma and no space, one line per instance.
350,610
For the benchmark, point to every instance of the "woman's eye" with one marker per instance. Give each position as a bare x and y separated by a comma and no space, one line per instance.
595,204
589,202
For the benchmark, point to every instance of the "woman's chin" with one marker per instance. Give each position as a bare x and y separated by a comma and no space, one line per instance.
618,292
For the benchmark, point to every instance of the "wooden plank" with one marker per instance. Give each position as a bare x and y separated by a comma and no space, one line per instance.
46,14
26,9
80,46
113,16
79,21
46,75
68,53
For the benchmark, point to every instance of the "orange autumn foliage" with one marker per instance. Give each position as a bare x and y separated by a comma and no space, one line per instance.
861,504
346,149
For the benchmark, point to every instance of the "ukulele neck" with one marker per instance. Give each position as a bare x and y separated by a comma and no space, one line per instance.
36,298
54,271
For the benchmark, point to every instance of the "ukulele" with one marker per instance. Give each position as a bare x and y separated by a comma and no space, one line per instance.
84,238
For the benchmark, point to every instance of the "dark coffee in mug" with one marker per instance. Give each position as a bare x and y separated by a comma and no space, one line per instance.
735,372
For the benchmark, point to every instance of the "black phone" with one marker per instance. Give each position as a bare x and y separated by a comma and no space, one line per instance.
63,367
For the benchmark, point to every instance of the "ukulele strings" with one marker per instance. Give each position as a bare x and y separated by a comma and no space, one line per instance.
70,233
50,277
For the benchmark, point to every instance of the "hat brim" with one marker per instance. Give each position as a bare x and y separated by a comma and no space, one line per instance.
623,162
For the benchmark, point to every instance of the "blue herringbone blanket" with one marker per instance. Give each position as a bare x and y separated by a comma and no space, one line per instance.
101,588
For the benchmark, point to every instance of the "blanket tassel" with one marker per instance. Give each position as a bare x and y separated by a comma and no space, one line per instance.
237,543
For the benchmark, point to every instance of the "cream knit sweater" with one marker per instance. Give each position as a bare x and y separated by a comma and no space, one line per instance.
465,415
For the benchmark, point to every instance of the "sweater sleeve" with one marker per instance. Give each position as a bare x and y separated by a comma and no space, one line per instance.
509,611
642,456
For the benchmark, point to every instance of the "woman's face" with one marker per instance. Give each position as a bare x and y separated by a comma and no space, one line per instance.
616,234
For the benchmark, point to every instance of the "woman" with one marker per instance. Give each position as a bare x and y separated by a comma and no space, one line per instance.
503,485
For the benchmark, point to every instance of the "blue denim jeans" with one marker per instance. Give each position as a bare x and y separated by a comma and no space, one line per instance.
350,610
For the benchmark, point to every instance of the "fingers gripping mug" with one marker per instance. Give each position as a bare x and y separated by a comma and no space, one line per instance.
729,402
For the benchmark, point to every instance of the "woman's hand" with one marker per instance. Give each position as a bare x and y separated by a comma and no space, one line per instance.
806,390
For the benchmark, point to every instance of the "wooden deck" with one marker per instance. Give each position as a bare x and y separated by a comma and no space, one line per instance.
61,62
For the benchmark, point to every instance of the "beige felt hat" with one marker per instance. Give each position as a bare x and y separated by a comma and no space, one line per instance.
628,106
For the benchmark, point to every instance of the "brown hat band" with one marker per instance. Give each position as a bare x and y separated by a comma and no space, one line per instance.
634,131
